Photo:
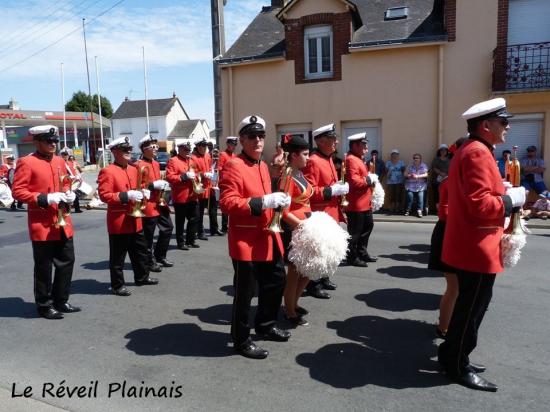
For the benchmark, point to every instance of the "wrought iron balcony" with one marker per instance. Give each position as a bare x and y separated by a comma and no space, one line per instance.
522,67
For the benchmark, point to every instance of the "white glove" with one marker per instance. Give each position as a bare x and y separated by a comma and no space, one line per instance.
135,195
160,184
70,196
517,194
146,194
190,175
208,175
275,200
339,189
56,198
507,185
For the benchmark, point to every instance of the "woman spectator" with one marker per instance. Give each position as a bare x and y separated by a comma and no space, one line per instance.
416,183
376,165
440,169
395,168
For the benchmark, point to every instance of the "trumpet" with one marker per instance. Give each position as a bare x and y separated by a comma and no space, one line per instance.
284,186
139,205
214,168
513,169
63,209
161,200
198,187
344,202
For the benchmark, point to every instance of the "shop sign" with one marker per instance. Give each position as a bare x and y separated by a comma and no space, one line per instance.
12,116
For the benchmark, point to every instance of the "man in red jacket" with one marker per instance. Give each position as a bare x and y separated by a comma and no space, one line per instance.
156,213
478,205
225,156
202,162
181,175
321,175
256,252
359,209
118,187
37,182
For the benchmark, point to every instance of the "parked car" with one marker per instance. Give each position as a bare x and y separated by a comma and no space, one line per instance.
162,158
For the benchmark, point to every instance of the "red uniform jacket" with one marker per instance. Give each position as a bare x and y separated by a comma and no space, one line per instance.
203,164
4,169
153,173
182,188
360,192
242,187
321,174
443,210
35,177
113,183
225,156
476,211
300,195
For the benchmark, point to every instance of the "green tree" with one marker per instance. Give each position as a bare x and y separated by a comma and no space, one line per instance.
80,102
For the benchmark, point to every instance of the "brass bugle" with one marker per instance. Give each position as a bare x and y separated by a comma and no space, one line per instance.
344,202
516,225
139,205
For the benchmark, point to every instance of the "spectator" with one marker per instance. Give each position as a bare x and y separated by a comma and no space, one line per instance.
502,163
532,168
376,165
395,168
540,209
440,168
416,182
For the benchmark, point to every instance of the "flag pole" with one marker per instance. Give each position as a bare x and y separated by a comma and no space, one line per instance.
63,101
146,99
100,114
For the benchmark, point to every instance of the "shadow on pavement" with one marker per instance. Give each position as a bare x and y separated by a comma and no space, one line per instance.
392,353
400,300
17,308
90,287
409,257
416,247
215,315
409,272
228,289
103,265
181,339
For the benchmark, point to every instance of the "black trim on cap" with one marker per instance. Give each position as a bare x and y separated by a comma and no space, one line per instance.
255,205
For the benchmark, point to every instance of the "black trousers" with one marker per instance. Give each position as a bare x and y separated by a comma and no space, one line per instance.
60,254
213,212
136,246
187,211
224,222
164,223
474,295
271,279
360,226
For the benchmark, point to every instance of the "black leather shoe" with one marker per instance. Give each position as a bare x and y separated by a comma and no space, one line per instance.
122,291
147,281
202,237
49,313
302,311
275,334
327,284
165,263
67,308
370,259
473,381
155,267
217,233
252,351
359,263
477,368
183,247
319,293
193,246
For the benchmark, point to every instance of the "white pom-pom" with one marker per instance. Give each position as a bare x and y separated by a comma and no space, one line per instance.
510,246
378,193
318,246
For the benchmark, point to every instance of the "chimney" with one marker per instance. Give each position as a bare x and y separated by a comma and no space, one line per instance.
174,95
126,99
13,105
278,3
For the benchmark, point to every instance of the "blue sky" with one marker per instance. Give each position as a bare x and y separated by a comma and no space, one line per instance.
176,35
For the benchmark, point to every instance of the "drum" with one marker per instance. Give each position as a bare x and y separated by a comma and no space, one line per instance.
84,190
6,198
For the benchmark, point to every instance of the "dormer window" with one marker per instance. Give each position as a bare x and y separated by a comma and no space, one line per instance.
396,13
318,52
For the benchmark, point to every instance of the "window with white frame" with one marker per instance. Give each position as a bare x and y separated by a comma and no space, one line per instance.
318,52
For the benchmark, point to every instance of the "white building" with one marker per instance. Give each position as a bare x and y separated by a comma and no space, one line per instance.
168,121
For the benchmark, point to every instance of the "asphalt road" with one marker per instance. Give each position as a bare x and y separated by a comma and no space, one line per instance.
370,348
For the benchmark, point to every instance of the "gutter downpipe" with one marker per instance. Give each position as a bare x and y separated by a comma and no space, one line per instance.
440,73
231,108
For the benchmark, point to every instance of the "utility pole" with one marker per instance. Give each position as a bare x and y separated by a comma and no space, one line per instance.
90,110
218,48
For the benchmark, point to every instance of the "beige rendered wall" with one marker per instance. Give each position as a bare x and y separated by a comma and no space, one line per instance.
375,86
307,7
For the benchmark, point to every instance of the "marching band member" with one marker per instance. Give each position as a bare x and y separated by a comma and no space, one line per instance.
257,253
75,174
212,202
203,163
118,187
359,209
300,192
478,204
156,214
225,156
181,175
6,176
38,182
321,174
